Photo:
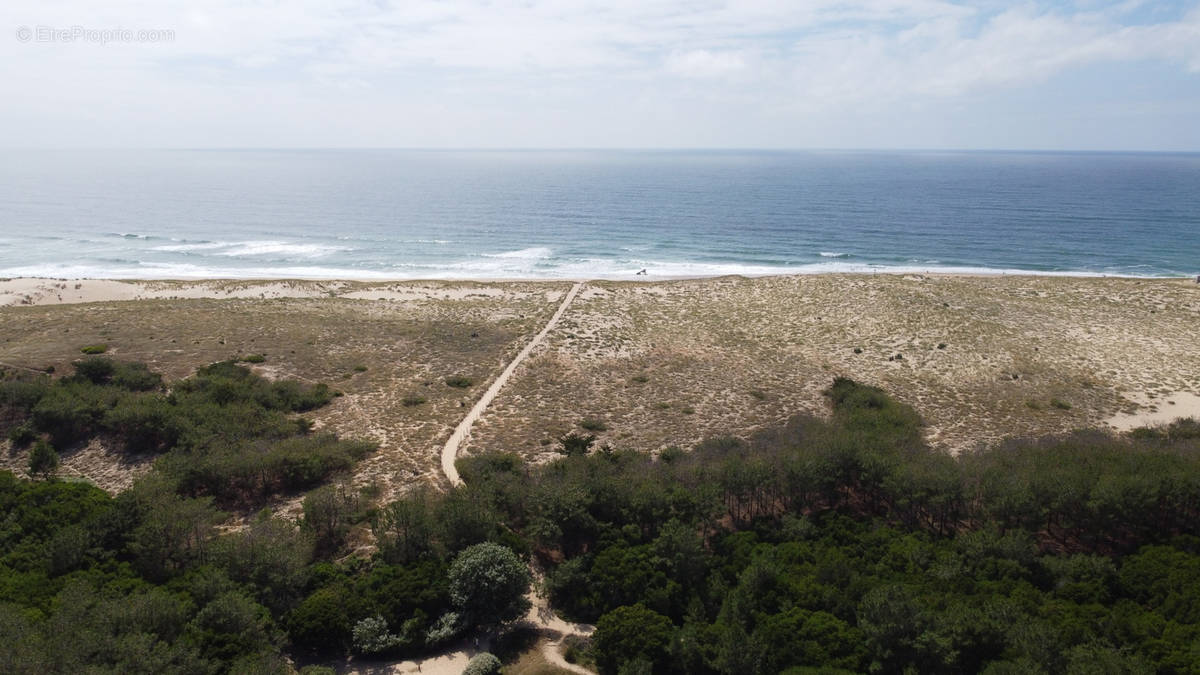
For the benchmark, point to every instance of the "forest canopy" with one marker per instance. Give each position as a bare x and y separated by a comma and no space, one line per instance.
839,544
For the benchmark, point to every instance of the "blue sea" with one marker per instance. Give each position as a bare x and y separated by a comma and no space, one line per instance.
400,214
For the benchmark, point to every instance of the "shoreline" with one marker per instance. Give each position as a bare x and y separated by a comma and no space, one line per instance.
34,291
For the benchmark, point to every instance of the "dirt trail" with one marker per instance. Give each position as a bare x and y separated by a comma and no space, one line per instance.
555,631
450,450
540,615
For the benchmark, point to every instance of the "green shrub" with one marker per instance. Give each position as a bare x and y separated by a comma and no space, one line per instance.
372,637
574,444
412,400
579,650
459,381
95,369
136,377
144,423
321,622
360,369
630,633
21,395
488,583
1060,404
94,349
71,411
22,435
43,460
593,424
129,376
252,358
483,663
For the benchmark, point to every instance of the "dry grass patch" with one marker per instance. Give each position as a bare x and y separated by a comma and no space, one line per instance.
970,353
382,354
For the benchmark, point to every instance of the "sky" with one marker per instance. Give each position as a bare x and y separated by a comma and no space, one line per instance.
888,74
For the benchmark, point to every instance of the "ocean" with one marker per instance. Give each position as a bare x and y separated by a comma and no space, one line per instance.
413,214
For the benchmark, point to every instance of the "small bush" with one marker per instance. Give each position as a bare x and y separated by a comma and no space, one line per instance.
858,350
593,424
22,435
413,400
94,349
483,663
640,379
97,370
253,358
670,454
578,650
758,394
687,410
574,444
371,636
360,368
43,460
1033,405
1060,404
459,381
23,394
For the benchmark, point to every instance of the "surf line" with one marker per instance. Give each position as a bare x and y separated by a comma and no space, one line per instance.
450,450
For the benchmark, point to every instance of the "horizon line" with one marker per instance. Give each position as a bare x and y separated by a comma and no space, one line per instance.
681,149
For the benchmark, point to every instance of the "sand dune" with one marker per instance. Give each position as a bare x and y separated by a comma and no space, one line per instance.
655,364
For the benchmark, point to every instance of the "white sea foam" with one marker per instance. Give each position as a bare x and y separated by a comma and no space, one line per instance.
186,271
832,254
256,248
497,268
535,252
198,246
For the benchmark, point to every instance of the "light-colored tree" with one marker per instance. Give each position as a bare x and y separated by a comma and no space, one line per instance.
488,583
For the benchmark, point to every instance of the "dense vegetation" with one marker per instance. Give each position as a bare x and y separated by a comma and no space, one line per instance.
838,545
224,433
145,583
848,545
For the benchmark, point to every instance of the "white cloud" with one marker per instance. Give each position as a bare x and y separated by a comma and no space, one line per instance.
701,63
484,64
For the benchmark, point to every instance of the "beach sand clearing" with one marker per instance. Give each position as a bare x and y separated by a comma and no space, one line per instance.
1154,412
654,364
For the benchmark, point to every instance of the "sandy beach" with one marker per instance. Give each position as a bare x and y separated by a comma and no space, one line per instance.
647,364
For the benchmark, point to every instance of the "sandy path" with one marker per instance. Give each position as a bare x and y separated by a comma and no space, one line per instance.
450,450
540,614
555,631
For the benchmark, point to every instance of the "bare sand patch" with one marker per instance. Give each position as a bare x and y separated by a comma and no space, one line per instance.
1157,410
